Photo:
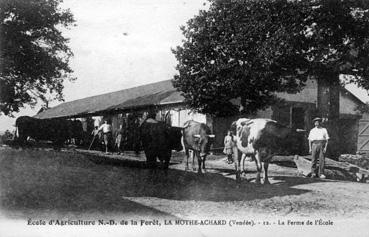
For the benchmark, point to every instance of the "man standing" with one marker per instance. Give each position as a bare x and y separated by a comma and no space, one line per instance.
119,139
106,129
318,142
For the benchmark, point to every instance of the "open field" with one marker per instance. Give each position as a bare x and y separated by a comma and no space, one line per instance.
46,184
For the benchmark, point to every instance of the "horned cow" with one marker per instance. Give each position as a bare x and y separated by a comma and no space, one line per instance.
261,139
158,140
197,137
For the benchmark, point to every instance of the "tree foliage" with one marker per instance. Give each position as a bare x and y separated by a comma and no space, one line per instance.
250,49
34,53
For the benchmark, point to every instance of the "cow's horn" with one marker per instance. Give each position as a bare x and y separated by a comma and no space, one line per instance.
211,135
197,135
249,123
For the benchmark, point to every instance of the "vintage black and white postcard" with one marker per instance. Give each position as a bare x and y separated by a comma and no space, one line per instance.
184,117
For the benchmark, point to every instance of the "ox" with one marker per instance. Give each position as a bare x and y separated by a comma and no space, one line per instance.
55,130
197,137
75,132
158,140
261,139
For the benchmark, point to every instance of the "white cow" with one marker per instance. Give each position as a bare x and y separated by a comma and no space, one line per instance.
261,139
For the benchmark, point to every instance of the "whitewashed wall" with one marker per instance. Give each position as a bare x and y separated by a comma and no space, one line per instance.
179,117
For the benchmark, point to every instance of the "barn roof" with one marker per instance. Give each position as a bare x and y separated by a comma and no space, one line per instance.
159,93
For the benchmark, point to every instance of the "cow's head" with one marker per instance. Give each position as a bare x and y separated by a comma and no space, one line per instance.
241,130
204,141
288,141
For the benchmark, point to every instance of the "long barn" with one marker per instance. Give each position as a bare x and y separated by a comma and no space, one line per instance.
124,107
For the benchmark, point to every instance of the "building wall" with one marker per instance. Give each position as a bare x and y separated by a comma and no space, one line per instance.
220,127
349,121
306,100
180,116
297,112
348,134
308,94
284,114
347,104
292,114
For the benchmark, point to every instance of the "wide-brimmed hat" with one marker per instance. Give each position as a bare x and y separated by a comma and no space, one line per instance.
317,119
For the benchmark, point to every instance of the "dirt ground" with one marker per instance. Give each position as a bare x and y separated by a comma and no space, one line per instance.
48,184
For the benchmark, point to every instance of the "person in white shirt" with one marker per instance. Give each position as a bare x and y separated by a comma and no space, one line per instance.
318,142
106,129
96,138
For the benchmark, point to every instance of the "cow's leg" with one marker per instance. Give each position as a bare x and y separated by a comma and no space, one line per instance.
194,156
243,159
187,157
165,160
164,164
22,139
266,165
203,163
258,166
199,160
237,159
150,160
161,163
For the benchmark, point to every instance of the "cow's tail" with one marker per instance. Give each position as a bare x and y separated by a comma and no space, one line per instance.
182,140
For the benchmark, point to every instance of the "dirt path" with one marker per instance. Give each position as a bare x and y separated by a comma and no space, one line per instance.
49,184
70,185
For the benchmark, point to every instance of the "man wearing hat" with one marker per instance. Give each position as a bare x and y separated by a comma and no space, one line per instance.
318,142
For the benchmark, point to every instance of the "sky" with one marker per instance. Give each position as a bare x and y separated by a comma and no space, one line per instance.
119,44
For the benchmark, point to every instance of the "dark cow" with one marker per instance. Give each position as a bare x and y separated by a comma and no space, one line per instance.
261,139
75,131
197,137
158,140
55,130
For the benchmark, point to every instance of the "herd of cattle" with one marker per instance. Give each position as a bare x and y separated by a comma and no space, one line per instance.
259,139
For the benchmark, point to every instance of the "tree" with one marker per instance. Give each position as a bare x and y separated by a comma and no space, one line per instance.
34,53
249,49
237,49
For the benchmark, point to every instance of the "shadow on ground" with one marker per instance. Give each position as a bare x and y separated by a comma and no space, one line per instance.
37,182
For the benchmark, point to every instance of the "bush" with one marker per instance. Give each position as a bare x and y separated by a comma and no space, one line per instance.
6,136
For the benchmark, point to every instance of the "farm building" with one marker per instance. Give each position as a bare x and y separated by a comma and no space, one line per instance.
126,107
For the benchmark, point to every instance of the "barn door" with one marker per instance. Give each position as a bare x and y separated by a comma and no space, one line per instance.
363,138
348,135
